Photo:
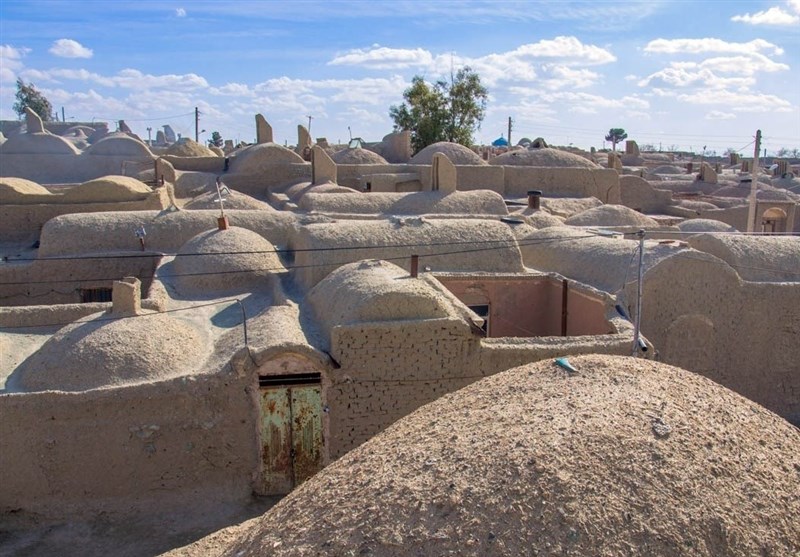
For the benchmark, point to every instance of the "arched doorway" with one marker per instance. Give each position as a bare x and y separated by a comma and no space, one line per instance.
773,221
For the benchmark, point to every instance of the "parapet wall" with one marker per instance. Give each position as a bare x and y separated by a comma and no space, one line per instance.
136,444
66,169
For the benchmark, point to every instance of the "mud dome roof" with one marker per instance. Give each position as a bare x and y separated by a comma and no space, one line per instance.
186,147
17,189
542,157
624,455
357,156
119,144
109,189
369,291
106,352
610,215
755,258
458,154
225,260
261,157
705,225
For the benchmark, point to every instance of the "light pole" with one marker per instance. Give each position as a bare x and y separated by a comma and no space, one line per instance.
149,138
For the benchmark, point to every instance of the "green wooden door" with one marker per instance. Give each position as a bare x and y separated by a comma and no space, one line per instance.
291,436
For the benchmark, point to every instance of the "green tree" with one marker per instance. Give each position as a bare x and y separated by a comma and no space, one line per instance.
615,135
28,95
216,140
442,111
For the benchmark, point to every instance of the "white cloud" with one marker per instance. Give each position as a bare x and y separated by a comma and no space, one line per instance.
563,77
180,12
520,64
706,45
67,48
738,101
233,90
773,16
719,115
383,58
11,62
126,79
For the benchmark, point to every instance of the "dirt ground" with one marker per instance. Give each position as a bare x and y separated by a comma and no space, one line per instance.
143,535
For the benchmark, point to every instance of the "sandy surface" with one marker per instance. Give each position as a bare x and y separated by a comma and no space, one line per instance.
622,457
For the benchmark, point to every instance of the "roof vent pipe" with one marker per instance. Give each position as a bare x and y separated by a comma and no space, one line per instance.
534,199
414,266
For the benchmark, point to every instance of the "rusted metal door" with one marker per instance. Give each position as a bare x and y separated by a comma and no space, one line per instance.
291,431
276,441
306,408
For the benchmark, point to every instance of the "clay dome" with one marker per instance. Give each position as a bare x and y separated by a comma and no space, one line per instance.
38,144
357,156
668,169
458,154
186,147
542,157
260,158
705,225
234,200
17,189
106,352
610,215
624,457
108,189
119,144
226,260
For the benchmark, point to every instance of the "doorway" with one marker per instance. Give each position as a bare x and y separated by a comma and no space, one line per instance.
290,430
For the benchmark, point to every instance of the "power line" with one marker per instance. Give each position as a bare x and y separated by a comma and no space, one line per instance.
511,243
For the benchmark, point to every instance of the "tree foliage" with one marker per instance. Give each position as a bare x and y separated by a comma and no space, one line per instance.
216,140
615,135
28,95
442,111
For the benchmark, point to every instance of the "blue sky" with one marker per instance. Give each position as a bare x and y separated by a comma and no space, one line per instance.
684,74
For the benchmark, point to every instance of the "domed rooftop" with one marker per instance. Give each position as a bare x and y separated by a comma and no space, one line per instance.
260,158
755,258
624,457
610,215
542,157
17,189
705,225
108,189
233,200
357,156
226,260
186,147
667,169
458,154
107,352
39,143
369,291
119,144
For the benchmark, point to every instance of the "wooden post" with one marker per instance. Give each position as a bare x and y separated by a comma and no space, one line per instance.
414,266
564,306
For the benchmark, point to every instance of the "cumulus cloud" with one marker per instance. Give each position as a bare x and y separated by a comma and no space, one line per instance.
719,115
180,12
738,101
126,79
67,48
775,15
521,64
11,62
708,45
383,58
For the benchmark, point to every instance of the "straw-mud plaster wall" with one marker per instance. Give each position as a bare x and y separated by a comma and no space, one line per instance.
744,335
67,168
65,451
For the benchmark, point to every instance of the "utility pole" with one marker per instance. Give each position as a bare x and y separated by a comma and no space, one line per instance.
309,124
509,132
751,213
149,138
196,125
63,119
